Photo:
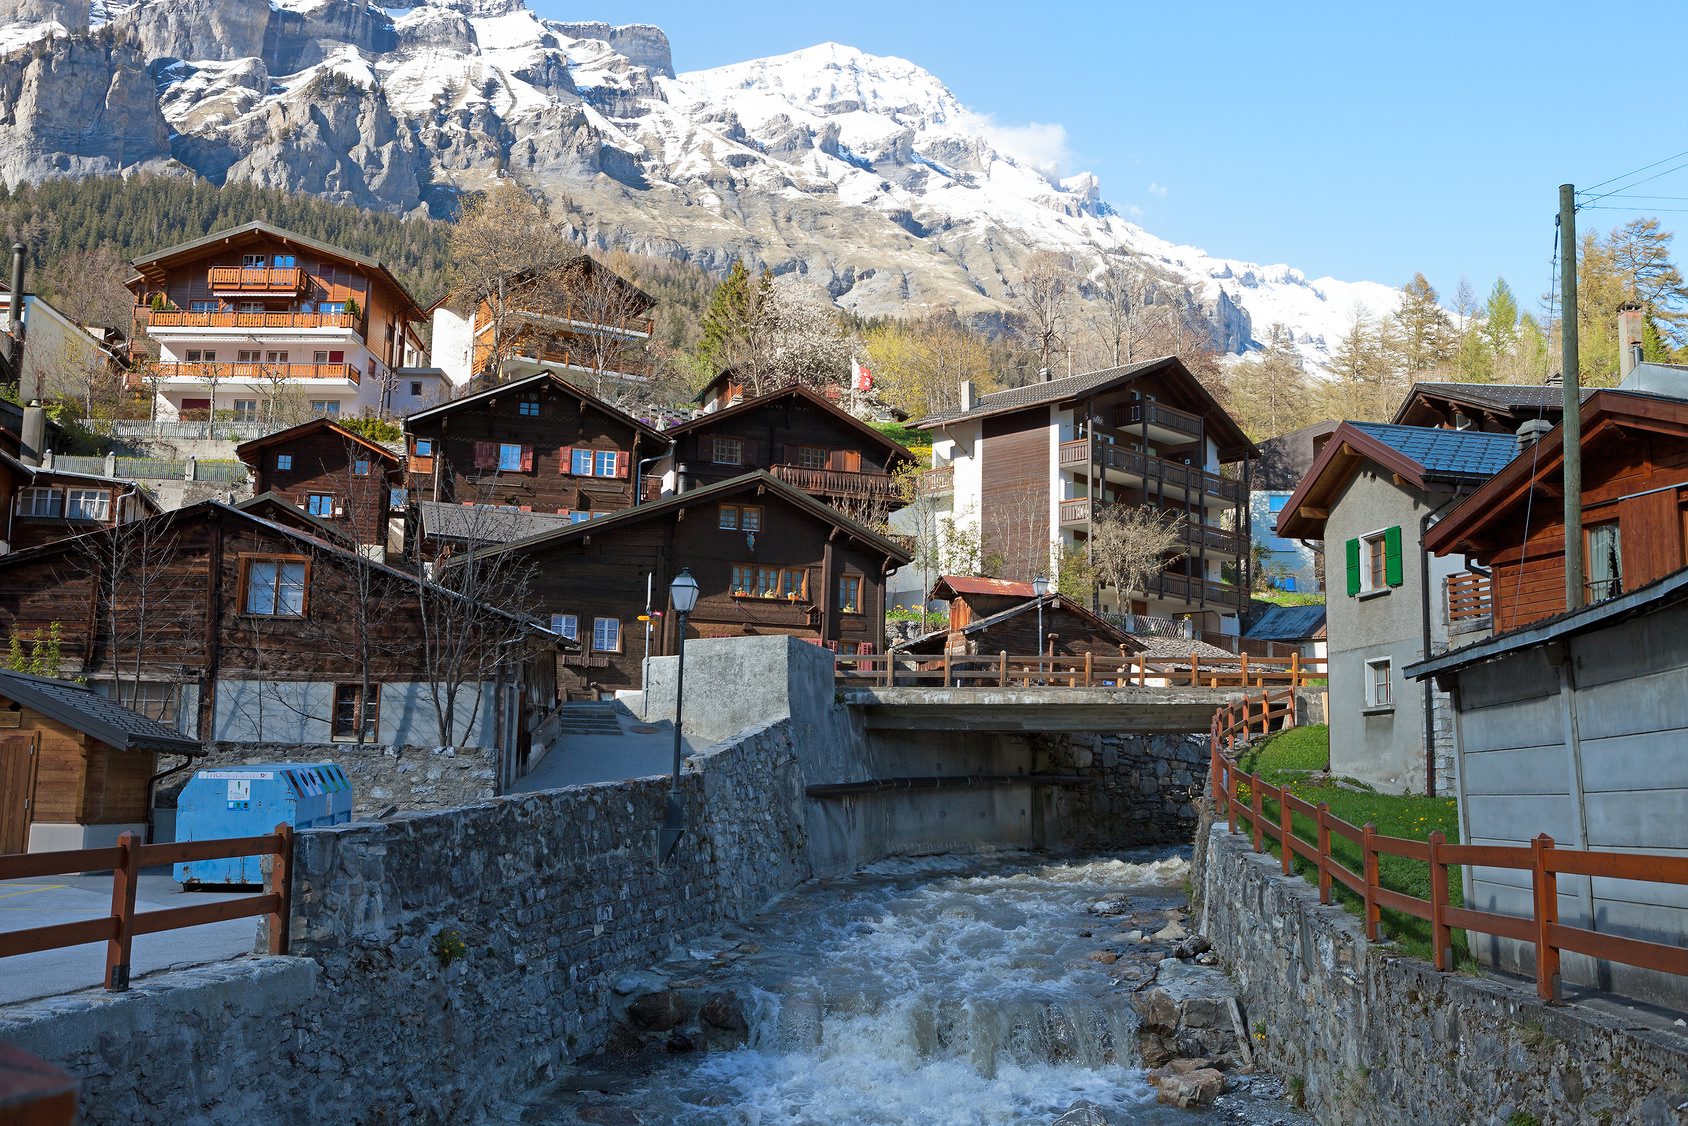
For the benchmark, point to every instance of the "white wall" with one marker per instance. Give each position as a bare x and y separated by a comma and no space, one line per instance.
252,711
453,345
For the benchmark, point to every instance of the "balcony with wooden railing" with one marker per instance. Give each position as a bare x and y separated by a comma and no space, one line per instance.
256,279
938,481
1195,534
1162,417
203,373
1194,590
836,482
1470,600
175,318
1083,453
650,488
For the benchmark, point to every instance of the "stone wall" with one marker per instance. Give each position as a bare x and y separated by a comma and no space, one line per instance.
1145,790
1375,1039
382,776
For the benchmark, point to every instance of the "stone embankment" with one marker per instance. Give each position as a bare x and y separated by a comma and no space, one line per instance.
1368,1037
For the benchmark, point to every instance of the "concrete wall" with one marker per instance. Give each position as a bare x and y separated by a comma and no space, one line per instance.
297,712
1588,751
1378,1040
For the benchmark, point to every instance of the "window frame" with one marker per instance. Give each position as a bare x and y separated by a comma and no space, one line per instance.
596,648
366,714
527,408
34,491
719,443
104,505
310,506
566,625
424,447
284,463
1613,583
361,466
751,580
248,560
804,456
598,457
504,449
1376,701
851,606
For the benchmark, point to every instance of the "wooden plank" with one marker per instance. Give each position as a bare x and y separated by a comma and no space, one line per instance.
1485,922
1619,866
1400,901
67,862
199,914
180,852
1662,957
56,936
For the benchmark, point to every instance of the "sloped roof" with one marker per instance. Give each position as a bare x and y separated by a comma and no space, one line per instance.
484,523
792,390
968,584
1050,602
1446,453
1288,623
271,501
293,433
521,384
1509,397
85,710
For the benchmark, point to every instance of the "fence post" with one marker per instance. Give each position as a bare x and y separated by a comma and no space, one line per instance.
1195,669
1089,667
1547,915
1231,796
946,669
1368,868
1441,938
281,886
1243,659
1294,670
1002,669
1285,820
1255,807
890,665
1324,852
123,879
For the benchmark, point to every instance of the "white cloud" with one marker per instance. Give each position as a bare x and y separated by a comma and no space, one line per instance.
1157,189
1044,147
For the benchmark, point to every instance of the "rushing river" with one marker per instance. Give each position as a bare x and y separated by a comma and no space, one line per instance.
939,991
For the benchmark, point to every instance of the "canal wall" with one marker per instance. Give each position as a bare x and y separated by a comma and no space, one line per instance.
1372,1038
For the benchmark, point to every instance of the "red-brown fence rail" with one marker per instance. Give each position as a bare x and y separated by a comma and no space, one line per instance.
1469,597
1091,670
126,859
1540,858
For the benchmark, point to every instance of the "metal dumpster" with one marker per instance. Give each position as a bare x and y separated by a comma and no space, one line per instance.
249,801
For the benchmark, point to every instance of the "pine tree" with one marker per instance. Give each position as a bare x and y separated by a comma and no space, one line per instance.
730,321
1500,319
1427,337
1270,393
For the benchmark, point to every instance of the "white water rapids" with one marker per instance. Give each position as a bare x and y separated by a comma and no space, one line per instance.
940,991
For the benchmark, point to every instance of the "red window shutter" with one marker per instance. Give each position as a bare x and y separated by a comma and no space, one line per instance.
835,459
833,645
865,649
486,455
524,508
565,460
852,460
622,458
527,459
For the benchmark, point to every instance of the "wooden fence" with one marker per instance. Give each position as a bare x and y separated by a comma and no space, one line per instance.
126,859
1540,858
1091,670
1469,597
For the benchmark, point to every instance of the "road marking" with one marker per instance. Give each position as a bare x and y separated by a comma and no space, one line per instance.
27,888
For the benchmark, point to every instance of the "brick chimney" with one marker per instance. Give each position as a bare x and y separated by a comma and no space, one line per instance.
1630,328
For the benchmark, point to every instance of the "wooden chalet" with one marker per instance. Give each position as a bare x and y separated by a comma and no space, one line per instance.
538,445
971,598
340,478
1635,510
244,630
1494,408
75,767
725,390
1069,630
768,558
42,505
798,437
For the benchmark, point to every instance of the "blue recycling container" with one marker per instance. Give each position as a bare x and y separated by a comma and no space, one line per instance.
249,801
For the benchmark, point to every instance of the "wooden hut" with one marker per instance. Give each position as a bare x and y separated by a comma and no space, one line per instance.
76,768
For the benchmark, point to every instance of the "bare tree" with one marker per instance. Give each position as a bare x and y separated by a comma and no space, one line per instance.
1128,546
1045,297
1116,304
1014,536
507,256
598,296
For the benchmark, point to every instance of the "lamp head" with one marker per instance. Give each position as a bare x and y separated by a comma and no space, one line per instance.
683,591
1040,585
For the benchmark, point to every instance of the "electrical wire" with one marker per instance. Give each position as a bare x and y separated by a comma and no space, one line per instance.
1637,183
1627,175
1535,446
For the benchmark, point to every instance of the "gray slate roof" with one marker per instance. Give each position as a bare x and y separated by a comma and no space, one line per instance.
87,711
484,523
1446,453
1288,623
1032,394
1504,396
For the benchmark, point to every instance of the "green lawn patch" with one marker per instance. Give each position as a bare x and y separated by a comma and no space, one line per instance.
1298,758
1291,597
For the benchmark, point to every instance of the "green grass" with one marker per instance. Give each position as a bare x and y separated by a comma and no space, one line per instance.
1297,758
1291,598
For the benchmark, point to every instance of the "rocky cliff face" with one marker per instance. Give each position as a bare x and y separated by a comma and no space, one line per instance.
861,173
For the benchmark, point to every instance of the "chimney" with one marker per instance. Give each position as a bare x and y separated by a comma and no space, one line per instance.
1630,327
1531,432
679,477
969,395
14,312
1043,374
33,440
1555,379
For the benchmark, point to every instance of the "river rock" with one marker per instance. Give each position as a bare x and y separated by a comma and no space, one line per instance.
1172,932
658,1012
725,1011
679,1042
1195,1088
1084,1113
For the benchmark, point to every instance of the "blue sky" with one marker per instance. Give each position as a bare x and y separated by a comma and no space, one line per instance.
1358,140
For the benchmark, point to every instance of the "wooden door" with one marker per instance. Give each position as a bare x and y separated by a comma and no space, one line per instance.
17,790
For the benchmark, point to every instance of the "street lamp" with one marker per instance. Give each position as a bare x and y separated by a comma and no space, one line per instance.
1040,587
682,593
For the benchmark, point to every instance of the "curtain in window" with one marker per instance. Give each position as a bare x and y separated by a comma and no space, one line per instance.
1605,561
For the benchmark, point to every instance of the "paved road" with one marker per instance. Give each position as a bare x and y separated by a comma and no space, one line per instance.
65,899
611,746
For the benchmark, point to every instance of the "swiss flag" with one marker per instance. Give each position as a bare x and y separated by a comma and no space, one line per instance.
861,379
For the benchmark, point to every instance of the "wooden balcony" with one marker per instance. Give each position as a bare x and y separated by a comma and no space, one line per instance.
628,364
836,482
286,281
937,482
650,488
1469,599
1217,540
251,373
1161,417
1082,453
1196,590
175,318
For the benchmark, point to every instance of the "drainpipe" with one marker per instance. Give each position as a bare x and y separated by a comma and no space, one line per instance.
639,474
152,792
1424,613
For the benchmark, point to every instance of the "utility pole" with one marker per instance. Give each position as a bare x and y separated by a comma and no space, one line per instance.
1572,432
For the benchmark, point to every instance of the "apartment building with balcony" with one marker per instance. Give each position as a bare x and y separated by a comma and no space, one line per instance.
241,321
586,324
1030,470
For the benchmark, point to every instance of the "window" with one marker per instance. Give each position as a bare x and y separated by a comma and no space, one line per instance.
275,357
246,410
741,517
606,463
320,504
729,517
424,447
275,587
87,504
329,357
246,356
1605,561
251,307
415,389
153,699
357,711
204,306
360,467
850,594
325,408
283,462
397,498
252,261
1374,562
751,580
606,635
332,307
201,356
579,517
40,502
286,262
1377,684
509,456
1276,504
528,408
811,457
566,625
727,451
580,463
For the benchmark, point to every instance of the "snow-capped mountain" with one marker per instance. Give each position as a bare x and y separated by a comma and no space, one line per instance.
862,172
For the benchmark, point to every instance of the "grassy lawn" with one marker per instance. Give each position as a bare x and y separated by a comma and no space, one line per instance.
1298,758
1291,597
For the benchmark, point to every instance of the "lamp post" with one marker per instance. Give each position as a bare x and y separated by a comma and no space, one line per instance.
1040,587
682,593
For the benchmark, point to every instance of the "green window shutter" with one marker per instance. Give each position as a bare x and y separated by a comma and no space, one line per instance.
1392,556
1353,567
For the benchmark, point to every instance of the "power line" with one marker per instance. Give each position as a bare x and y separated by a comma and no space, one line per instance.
1627,175
1633,210
1638,183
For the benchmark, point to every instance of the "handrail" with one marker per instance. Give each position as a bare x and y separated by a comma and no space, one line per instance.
1541,859
126,859
1089,670
840,482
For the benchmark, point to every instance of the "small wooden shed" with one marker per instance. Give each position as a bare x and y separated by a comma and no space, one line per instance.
75,767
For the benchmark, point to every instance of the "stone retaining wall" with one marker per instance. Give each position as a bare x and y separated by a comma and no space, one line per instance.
1376,1039
382,776
1146,788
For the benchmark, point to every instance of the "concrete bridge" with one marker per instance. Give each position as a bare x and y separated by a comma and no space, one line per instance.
1035,709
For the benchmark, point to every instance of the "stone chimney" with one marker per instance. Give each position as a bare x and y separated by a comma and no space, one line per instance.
1043,375
1630,329
1531,432
969,395
32,445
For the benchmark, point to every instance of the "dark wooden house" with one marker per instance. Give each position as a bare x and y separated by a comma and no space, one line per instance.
769,559
798,437
1069,630
1635,510
971,597
1494,408
538,444
75,766
41,505
342,479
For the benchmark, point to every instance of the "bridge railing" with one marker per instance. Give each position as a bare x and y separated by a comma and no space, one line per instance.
1302,829
1089,670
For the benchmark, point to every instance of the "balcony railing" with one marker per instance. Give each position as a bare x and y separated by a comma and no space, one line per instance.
1470,598
1164,417
1168,585
1217,540
175,318
256,279
253,373
630,364
835,482
937,482
1079,453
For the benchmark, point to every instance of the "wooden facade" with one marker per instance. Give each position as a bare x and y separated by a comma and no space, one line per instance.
1635,510
971,599
537,445
1068,630
798,437
801,569
587,317
341,478
40,506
